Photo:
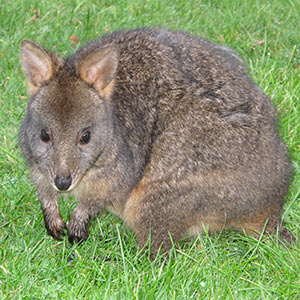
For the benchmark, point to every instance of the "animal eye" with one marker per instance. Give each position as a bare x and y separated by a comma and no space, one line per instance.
85,138
45,136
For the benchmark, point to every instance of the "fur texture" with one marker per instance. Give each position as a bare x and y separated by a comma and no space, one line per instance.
164,129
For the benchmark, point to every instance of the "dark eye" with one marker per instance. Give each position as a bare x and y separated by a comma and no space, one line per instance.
45,136
85,138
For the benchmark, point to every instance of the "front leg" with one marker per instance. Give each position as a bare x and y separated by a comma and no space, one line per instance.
78,225
53,221
49,201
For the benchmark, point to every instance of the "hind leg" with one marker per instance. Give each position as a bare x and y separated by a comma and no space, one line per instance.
267,222
158,211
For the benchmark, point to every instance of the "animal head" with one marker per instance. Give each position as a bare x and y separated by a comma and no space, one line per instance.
68,121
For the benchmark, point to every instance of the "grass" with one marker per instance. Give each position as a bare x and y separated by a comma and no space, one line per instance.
108,265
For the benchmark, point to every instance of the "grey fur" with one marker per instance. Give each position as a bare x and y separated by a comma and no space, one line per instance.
180,137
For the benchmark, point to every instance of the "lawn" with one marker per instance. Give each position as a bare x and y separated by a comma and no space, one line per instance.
108,265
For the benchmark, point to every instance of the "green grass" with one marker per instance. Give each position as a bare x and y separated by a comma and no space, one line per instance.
225,266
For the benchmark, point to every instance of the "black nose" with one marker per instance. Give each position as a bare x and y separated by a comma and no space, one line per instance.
63,183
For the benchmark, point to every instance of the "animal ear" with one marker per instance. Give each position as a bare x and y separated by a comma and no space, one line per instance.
98,69
38,64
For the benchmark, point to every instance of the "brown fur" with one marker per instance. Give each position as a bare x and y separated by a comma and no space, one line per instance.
133,206
164,129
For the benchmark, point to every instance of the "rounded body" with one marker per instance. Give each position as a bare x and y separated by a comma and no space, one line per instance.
179,137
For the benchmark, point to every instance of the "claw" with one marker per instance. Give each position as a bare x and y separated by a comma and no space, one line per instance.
77,234
57,232
76,239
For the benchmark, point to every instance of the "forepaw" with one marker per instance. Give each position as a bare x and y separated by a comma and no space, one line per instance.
56,227
77,231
